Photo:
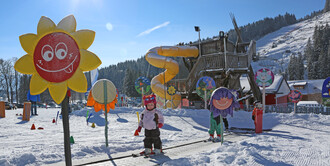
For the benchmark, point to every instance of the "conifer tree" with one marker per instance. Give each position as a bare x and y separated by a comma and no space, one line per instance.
292,69
328,62
129,84
323,59
300,67
326,6
309,51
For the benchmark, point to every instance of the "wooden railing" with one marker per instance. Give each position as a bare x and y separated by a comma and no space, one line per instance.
215,61
194,73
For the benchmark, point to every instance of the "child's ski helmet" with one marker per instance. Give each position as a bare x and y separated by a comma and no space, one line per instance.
149,99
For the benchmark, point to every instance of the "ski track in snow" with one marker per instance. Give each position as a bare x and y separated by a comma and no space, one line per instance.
296,139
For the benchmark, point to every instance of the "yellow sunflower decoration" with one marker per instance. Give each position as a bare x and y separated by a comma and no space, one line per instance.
171,90
57,56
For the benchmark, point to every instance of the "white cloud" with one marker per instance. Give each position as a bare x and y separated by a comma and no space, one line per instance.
109,26
154,28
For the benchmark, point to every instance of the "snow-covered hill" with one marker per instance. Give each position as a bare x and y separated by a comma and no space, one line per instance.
275,48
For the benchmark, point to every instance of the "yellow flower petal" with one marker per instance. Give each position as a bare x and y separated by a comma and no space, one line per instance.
58,91
25,65
84,38
68,24
28,42
45,25
38,84
88,60
78,82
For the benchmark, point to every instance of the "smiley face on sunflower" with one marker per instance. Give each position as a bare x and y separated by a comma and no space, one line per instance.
57,56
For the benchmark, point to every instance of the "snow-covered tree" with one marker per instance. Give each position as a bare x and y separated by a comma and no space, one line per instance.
293,68
300,67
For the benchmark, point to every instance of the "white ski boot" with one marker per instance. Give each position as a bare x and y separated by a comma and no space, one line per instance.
157,151
211,138
147,151
218,139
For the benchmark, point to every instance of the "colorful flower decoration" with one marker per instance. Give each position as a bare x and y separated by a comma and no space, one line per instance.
205,84
97,106
171,90
57,56
265,76
142,82
294,96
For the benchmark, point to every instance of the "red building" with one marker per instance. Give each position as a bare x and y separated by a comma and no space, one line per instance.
276,93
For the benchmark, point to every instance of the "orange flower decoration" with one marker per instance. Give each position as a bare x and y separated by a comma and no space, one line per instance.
98,106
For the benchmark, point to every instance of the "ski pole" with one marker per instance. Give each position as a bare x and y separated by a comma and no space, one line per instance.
57,116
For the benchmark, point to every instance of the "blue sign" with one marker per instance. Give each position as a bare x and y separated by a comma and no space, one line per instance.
326,88
326,92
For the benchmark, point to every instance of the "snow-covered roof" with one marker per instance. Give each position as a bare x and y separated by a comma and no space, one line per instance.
307,102
273,88
303,83
301,103
311,86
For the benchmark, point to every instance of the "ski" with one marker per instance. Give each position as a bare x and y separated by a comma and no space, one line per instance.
146,155
153,154
248,129
208,140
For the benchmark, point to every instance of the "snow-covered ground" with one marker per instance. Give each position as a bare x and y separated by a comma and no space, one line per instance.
296,139
275,48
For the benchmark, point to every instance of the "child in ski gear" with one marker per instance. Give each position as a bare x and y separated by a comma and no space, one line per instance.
215,125
151,119
222,103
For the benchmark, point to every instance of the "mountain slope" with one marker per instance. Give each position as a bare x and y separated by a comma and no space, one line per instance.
276,48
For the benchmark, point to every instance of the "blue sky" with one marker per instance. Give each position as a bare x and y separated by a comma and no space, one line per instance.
127,29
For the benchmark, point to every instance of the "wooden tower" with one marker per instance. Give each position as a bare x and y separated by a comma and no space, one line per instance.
222,60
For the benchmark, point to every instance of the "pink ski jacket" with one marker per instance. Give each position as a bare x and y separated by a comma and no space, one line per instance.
151,119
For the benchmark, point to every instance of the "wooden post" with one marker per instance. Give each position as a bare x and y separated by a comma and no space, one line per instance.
66,130
26,111
263,96
2,109
247,104
106,113
165,88
142,98
172,102
205,101
225,51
